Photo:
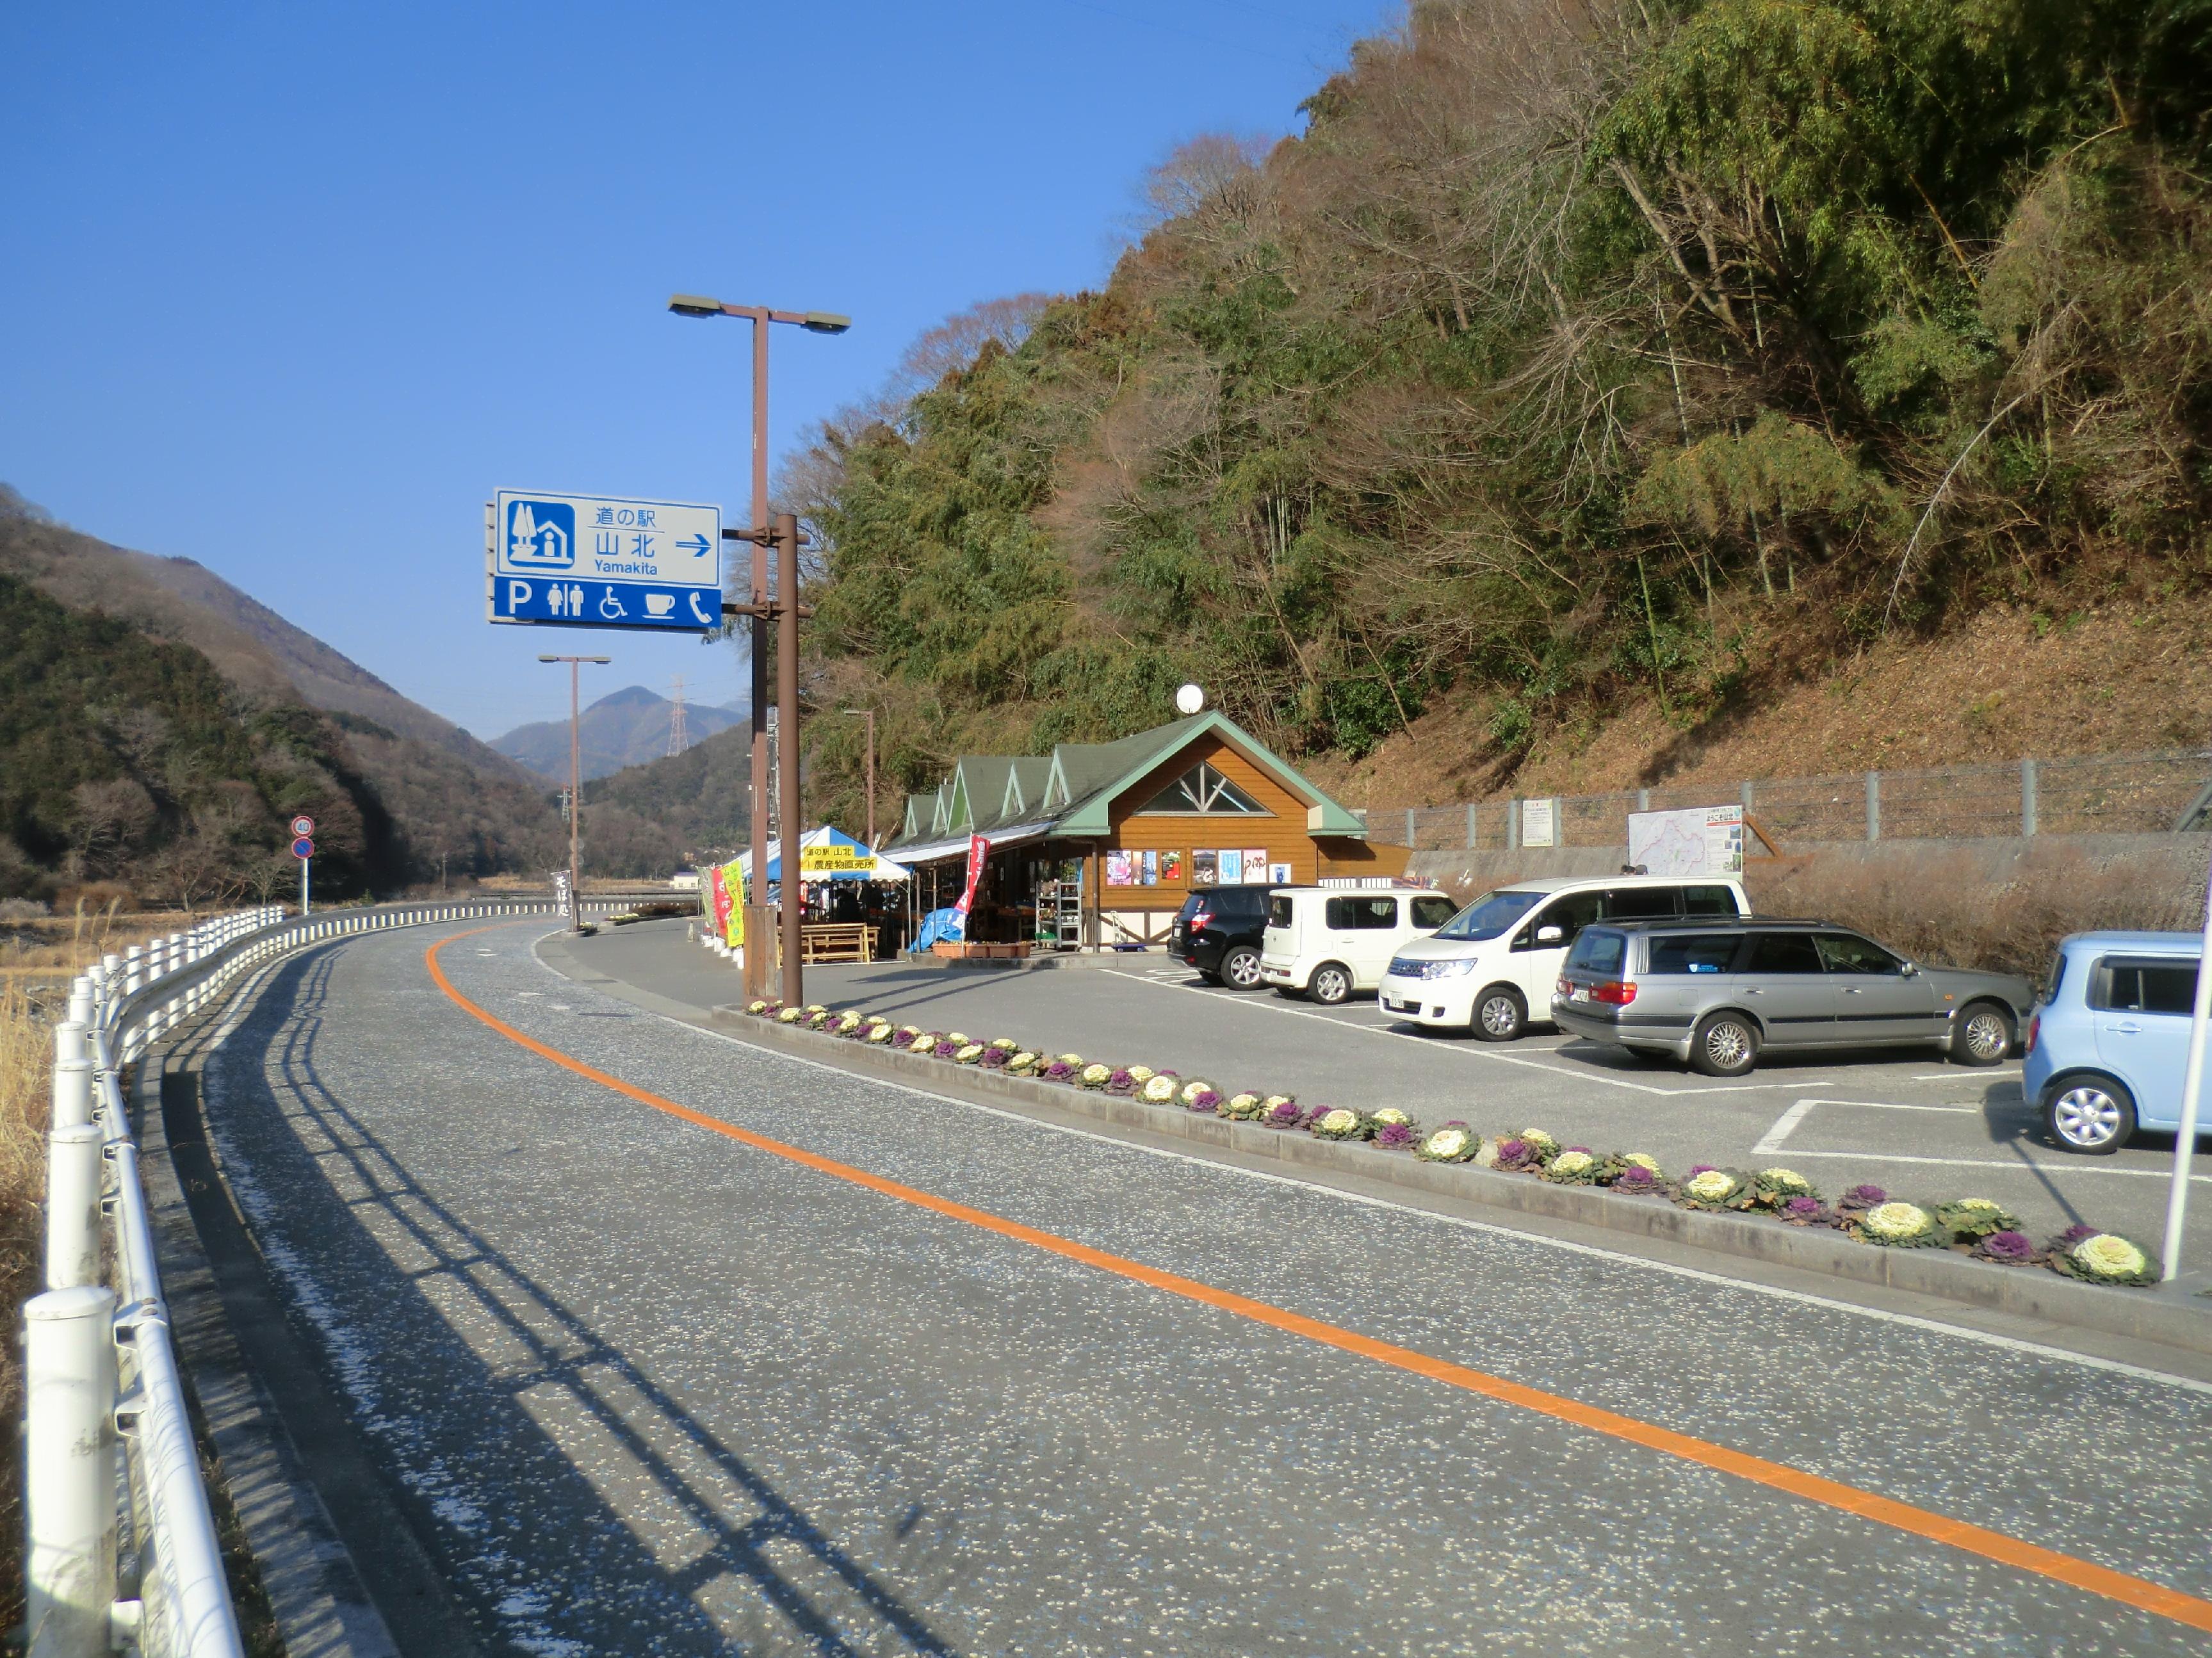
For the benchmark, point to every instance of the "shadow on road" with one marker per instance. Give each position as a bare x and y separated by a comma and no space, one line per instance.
466,1365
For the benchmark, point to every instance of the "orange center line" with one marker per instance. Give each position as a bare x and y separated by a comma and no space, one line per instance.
2131,1591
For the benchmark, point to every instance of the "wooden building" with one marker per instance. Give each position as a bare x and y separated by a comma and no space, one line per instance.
1098,843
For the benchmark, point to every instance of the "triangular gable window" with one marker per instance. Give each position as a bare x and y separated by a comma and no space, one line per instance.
1203,789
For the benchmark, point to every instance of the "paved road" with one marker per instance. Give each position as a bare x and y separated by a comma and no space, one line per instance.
647,1387
1910,1120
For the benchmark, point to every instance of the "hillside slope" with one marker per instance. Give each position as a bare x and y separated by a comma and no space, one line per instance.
699,797
629,727
435,789
1571,362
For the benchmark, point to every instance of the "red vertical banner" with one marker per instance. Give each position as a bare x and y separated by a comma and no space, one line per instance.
979,849
718,907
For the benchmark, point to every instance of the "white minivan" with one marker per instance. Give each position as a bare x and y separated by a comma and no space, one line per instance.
1501,956
1327,942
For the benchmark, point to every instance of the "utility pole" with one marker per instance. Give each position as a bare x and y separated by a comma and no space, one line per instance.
575,790
791,821
869,714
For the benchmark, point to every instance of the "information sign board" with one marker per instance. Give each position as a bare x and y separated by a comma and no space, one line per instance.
568,560
1695,841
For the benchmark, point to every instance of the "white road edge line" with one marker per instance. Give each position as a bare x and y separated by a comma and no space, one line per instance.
1880,1316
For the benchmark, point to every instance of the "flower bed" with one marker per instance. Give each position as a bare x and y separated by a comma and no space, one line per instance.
1973,1226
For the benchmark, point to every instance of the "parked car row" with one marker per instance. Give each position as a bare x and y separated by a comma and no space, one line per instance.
1682,968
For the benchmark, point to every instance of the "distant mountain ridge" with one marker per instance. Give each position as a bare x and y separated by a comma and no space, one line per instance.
627,727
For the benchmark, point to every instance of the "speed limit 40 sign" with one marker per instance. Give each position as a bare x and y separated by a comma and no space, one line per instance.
303,825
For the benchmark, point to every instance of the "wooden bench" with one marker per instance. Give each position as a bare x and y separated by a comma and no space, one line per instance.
837,941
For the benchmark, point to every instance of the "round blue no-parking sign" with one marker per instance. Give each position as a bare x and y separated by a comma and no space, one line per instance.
303,847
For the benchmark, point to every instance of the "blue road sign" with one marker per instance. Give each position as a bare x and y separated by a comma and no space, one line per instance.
577,603
564,560
303,847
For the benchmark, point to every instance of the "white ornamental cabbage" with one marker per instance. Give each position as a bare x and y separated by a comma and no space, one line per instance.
1642,1160
1393,1114
968,1054
1711,1186
1191,1090
1157,1090
1140,1074
1339,1121
2109,1257
1898,1220
881,1033
1446,1143
1096,1076
1573,1162
1543,1142
1786,1180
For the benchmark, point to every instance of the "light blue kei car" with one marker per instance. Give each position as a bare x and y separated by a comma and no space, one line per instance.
2109,1040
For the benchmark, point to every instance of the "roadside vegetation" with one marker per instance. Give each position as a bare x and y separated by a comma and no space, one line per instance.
1573,357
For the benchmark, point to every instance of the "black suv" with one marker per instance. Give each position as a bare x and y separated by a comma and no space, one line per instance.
1218,931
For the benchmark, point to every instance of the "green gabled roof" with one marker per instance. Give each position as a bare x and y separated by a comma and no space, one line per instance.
1092,775
1024,799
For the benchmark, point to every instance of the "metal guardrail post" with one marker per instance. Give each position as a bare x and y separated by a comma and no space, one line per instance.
69,1353
1873,805
73,1206
72,1095
2028,803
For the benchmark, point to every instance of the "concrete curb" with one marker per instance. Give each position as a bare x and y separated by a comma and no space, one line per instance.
2169,1316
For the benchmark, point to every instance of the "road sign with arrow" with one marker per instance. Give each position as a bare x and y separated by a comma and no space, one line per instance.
568,561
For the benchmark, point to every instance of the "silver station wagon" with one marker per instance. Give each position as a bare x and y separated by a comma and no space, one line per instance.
1717,994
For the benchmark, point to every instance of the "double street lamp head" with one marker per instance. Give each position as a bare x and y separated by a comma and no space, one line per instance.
814,322
577,659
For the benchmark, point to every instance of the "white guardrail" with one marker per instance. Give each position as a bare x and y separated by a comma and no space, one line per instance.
122,1553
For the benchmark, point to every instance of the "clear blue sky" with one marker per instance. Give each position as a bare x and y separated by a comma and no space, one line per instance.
290,289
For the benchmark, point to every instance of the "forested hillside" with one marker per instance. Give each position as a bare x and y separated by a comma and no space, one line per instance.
1572,357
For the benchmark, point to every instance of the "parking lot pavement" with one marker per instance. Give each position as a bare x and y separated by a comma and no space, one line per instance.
1908,1120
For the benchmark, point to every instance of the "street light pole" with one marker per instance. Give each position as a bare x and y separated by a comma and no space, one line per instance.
815,322
575,791
869,714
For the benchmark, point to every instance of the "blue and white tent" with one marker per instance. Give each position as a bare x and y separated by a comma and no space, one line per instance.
824,854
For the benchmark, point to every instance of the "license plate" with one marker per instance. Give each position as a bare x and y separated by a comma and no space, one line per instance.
1579,993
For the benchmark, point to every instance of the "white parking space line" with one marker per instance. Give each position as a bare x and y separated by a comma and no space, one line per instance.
1779,1131
1575,1074
2028,1166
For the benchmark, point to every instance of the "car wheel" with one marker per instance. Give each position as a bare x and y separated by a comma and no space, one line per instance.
2091,1115
1500,1014
1982,1035
1240,967
1330,985
1725,1045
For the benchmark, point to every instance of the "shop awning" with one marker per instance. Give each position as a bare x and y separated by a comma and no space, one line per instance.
824,854
933,850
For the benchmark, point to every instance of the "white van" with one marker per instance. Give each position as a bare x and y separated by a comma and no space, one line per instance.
1326,943
1501,956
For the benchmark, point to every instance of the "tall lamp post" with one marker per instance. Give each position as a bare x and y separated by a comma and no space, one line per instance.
869,714
815,322
575,789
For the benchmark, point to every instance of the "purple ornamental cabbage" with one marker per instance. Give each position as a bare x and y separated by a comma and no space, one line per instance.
1803,1207
945,1050
1865,1197
2007,1249
1059,1071
1285,1115
1207,1100
994,1059
901,1039
1698,1169
1636,1178
1392,1135
1514,1154
1120,1082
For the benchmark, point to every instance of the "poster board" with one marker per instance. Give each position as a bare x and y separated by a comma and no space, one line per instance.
1539,822
1693,840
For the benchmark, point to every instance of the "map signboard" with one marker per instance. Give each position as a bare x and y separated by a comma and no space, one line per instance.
1697,840
565,561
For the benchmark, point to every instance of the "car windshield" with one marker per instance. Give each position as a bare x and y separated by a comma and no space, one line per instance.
1490,915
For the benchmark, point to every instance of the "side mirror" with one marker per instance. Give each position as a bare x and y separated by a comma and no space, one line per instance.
1911,969
1549,935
